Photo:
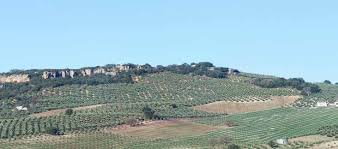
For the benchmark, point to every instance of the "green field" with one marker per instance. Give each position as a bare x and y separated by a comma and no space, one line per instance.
253,130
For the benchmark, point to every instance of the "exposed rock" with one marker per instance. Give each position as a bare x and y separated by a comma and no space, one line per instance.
99,71
57,74
111,73
86,72
64,74
48,75
45,75
20,78
120,68
136,79
72,73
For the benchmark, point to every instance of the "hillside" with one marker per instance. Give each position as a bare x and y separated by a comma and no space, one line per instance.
194,105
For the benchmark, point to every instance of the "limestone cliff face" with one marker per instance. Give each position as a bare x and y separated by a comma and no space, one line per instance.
87,72
19,78
58,74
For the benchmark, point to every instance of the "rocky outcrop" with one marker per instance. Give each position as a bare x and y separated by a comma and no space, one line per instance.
87,72
121,68
99,71
72,73
19,78
136,79
58,74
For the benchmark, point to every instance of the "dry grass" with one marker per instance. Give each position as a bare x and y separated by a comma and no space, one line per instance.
326,145
163,129
58,111
315,142
311,139
241,107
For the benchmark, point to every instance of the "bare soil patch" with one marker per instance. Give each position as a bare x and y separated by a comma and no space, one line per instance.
58,111
241,107
162,129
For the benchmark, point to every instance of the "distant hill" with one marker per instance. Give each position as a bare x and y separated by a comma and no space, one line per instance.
128,104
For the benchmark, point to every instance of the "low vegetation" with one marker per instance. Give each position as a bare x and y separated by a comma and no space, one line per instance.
329,131
54,131
69,111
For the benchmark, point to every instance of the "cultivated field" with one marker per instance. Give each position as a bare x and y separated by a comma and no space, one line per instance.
193,111
164,129
231,107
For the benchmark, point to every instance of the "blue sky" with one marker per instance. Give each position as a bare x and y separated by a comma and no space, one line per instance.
285,38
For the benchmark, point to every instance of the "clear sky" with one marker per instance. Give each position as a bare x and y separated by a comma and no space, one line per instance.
288,38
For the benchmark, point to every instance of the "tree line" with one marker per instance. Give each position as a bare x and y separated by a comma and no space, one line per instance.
297,83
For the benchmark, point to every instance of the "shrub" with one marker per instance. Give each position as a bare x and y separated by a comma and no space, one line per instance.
273,144
69,112
233,146
132,122
327,82
54,131
230,123
297,83
174,106
148,112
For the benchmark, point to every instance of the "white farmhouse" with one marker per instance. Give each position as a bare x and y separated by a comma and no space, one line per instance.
21,108
321,104
282,141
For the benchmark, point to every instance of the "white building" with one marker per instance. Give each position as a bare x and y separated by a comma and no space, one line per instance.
282,141
321,104
21,108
